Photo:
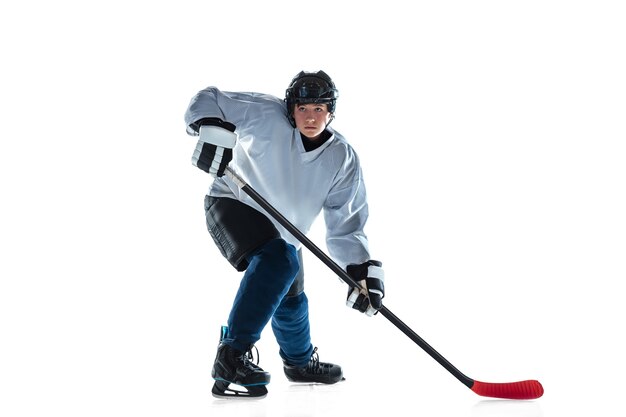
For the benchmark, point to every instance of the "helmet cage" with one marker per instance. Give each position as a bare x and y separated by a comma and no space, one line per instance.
311,87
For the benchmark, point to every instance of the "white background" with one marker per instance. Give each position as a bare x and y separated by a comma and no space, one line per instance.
492,138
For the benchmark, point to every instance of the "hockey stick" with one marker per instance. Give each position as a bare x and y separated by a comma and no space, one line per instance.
520,390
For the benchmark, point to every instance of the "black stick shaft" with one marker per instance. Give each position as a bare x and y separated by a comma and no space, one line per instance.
469,382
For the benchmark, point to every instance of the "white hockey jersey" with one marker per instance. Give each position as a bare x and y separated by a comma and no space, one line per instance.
271,158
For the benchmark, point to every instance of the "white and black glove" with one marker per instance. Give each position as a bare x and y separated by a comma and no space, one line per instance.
215,147
369,298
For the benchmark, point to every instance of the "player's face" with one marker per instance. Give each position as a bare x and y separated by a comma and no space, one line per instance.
311,119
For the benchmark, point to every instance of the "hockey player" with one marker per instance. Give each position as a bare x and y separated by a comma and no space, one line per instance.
285,150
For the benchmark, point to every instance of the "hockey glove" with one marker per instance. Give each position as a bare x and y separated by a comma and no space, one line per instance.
215,147
369,298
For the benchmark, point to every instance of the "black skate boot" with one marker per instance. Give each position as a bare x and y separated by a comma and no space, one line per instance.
232,366
314,371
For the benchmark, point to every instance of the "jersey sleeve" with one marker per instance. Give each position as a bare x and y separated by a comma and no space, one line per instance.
243,109
203,105
345,216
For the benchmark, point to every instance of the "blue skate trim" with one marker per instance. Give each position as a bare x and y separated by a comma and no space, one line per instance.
223,333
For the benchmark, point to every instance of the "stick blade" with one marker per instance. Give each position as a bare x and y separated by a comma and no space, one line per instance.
521,390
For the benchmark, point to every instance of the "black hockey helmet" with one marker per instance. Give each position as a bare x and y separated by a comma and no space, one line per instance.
311,87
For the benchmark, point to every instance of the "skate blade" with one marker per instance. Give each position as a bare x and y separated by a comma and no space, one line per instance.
226,390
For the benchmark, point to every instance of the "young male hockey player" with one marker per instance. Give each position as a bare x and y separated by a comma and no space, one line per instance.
285,150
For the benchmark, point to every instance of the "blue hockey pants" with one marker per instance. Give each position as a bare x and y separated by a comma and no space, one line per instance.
262,296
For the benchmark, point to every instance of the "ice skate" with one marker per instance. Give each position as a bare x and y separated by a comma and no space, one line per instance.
314,372
234,367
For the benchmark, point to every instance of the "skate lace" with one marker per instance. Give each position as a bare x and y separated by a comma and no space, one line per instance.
248,358
314,365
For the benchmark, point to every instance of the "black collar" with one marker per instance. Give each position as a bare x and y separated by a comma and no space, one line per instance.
310,145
